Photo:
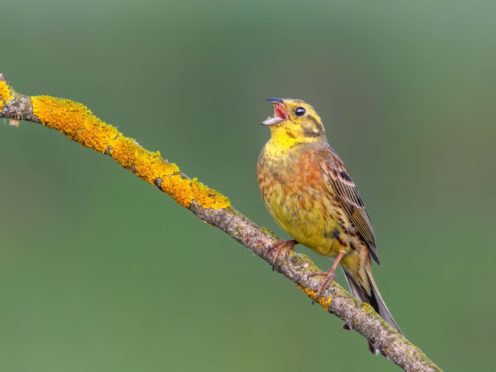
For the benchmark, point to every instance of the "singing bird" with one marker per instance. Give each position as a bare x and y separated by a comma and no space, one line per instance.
310,194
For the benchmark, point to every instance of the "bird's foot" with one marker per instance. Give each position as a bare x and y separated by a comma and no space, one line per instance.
279,247
329,277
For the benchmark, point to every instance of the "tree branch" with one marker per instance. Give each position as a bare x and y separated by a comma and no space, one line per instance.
78,123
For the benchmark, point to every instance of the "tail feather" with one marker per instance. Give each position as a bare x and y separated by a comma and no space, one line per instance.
374,299
382,308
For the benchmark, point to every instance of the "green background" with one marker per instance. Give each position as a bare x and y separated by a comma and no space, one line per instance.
101,272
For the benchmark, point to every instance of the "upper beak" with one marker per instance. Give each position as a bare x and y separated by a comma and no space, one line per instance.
276,119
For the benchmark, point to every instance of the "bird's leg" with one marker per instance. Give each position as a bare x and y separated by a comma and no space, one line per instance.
279,247
329,276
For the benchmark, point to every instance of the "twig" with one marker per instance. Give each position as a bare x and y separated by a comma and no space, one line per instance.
78,123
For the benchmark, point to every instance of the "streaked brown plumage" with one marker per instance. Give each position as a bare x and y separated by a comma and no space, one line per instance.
310,194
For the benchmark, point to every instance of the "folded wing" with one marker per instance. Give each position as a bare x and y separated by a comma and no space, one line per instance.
345,190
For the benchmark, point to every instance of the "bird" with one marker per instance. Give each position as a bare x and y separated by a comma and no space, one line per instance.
311,195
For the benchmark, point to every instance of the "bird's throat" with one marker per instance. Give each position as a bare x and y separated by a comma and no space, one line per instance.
283,140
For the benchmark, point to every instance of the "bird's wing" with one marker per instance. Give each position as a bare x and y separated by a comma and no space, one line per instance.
343,187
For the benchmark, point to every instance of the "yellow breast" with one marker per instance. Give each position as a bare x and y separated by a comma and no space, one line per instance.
293,189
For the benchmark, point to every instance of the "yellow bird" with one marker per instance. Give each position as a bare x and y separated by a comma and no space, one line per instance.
310,194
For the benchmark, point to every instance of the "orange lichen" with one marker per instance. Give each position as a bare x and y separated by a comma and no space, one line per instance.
5,93
325,302
74,120
81,125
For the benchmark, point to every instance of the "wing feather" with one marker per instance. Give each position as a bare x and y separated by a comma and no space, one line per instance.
346,191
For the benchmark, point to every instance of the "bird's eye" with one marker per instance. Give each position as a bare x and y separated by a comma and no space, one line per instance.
300,111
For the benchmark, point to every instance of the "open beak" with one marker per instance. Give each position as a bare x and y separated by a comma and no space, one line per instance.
280,113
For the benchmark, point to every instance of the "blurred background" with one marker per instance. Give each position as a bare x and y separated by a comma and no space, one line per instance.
101,272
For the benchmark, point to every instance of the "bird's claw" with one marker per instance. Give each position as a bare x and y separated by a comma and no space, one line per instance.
329,277
280,246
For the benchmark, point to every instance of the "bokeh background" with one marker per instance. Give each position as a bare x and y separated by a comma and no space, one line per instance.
100,272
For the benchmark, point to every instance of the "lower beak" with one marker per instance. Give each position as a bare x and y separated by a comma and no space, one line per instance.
272,120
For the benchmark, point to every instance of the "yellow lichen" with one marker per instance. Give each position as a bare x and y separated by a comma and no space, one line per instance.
323,301
5,93
367,308
74,120
78,123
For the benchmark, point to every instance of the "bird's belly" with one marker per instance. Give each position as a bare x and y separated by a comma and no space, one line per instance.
308,217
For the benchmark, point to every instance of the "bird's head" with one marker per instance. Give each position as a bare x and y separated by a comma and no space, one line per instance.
294,122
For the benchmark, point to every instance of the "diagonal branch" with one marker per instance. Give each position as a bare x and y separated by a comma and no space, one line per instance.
78,123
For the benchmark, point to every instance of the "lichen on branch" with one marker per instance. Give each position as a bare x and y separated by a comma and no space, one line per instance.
78,123
5,93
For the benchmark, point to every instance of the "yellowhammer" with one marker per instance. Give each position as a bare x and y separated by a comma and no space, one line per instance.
310,194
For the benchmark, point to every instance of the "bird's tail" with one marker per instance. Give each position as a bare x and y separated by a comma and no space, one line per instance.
375,300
